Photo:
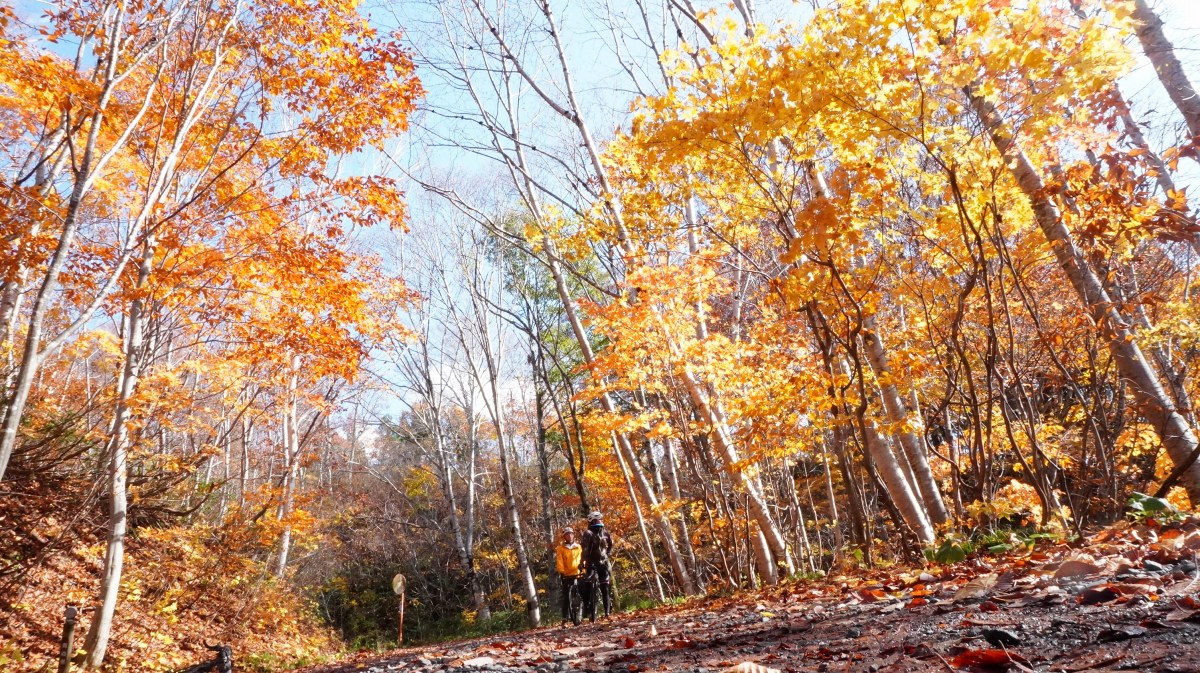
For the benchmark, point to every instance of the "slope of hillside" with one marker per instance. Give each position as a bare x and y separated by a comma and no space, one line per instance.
182,588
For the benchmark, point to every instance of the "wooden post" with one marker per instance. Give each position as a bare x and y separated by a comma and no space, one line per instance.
70,615
398,587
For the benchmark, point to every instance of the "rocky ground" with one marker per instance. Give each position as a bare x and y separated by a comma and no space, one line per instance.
1127,599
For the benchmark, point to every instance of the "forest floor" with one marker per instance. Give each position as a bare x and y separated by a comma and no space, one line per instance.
1125,599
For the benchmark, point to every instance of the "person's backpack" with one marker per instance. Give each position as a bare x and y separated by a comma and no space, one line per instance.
596,545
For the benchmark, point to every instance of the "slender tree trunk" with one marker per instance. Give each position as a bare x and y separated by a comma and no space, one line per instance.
543,458
118,450
637,509
906,423
762,557
800,523
244,467
482,611
533,611
903,497
495,408
1161,53
711,414
291,450
707,402
685,536
682,578
1155,405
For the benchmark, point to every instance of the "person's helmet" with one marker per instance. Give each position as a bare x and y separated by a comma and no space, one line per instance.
568,531
594,517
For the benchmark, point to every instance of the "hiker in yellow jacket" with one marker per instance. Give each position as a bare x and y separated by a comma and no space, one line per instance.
568,556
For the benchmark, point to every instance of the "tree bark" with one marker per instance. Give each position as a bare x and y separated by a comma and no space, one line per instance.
290,440
898,414
637,510
891,472
1170,72
1155,405
118,449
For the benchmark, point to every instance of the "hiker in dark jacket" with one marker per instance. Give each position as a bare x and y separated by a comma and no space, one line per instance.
597,550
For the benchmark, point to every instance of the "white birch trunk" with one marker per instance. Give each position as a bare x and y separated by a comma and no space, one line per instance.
685,536
1170,72
291,450
637,508
907,425
1154,404
118,447
892,473
768,572
528,587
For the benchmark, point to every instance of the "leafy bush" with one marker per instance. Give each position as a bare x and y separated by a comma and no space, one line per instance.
1143,508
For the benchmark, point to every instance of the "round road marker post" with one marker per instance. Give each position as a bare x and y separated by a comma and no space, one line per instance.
70,616
398,589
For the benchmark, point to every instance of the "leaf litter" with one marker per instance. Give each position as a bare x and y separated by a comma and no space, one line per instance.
1125,599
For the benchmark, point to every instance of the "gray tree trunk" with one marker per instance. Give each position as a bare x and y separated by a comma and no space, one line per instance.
290,440
637,509
910,440
1170,72
118,450
892,474
1154,404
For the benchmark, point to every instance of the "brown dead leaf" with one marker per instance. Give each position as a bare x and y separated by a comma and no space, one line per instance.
977,588
1133,588
1075,568
750,667
1096,595
1185,587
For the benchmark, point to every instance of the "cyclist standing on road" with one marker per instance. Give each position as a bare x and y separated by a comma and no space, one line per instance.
597,548
568,556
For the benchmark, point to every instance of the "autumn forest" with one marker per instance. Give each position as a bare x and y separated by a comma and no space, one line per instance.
299,295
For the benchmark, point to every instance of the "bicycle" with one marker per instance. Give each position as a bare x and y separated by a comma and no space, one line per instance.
574,599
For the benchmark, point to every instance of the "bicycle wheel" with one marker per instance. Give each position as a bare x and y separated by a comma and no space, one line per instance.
576,604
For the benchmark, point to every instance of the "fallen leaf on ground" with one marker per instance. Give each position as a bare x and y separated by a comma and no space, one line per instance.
1185,586
1075,568
985,658
872,595
1097,595
750,667
977,588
